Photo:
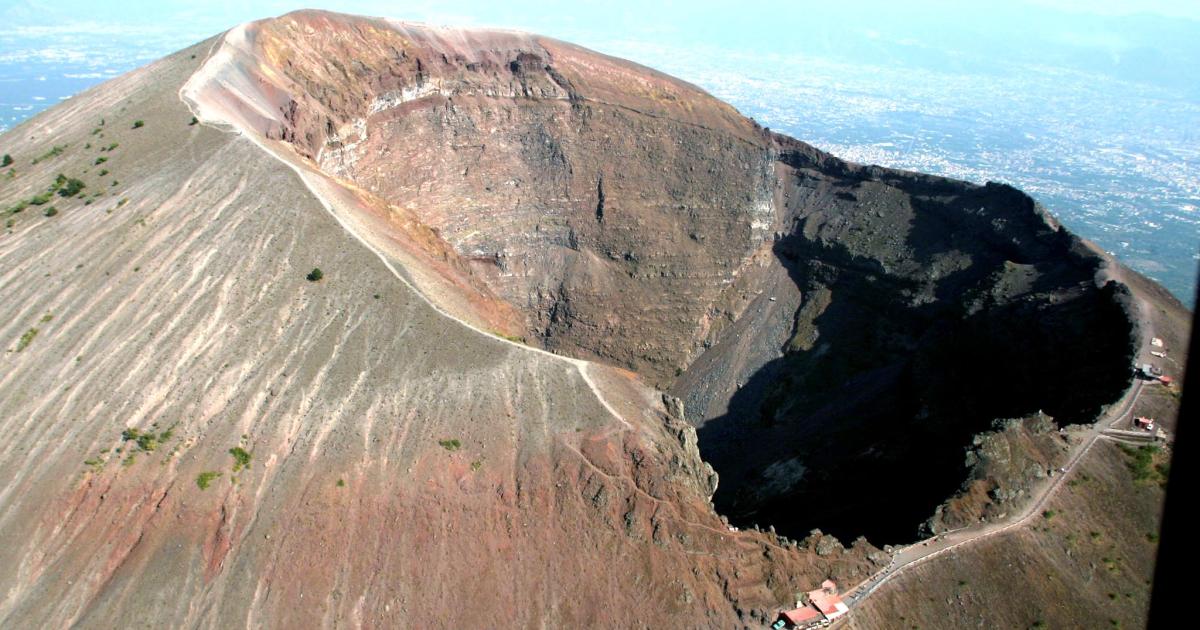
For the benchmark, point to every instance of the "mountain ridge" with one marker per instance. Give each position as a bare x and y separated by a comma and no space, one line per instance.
520,470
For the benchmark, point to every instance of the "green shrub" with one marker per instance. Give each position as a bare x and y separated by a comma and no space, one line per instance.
26,339
241,458
101,160
450,445
71,187
205,478
138,124
51,211
40,200
194,121
53,152
315,275
7,160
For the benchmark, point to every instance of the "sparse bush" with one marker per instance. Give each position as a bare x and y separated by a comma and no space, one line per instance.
193,122
205,478
341,483
315,275
51,211
53,152
40,200
101,160
71,187
241,458
450,445
7,160
26,339
138,124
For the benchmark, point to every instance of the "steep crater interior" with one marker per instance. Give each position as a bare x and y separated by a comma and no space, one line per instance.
838,333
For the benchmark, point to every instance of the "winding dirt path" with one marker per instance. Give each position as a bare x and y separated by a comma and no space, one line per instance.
214,121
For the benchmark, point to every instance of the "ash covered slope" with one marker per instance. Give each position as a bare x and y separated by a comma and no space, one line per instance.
404,470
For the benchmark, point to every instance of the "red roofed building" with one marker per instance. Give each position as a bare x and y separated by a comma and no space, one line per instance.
824,605
830,605
801,617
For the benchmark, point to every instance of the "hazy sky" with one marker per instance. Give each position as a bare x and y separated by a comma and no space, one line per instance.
205,17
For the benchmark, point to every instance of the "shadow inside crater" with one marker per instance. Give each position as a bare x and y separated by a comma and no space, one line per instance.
863,432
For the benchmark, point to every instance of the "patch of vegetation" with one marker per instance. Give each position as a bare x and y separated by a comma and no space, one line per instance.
205,478
341,483
1048,514
1152,537
56,151
193,122
146,441
51,211
100,160
314,275
40,200
103,172
71,187
138,124
241,458
95,463
512,338
1141,464
450,445
476,465
26,339
6,160
111,147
